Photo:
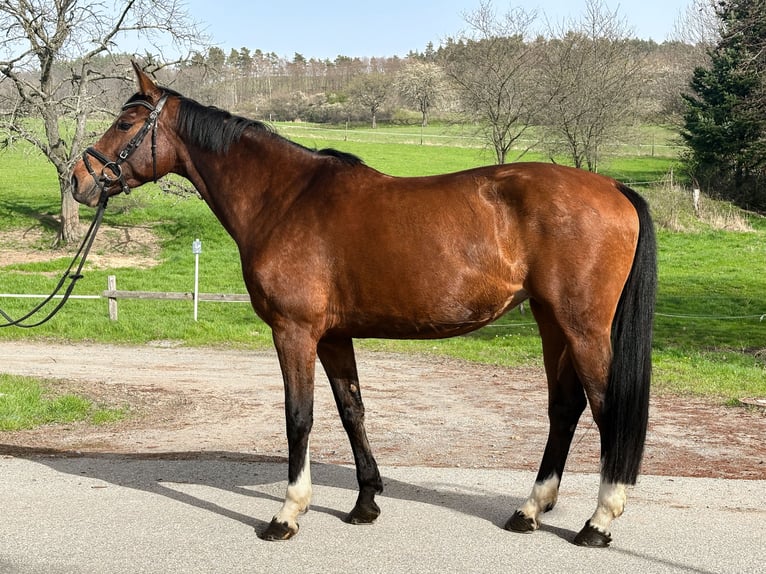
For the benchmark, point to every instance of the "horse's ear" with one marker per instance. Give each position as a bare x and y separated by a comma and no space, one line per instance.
146,85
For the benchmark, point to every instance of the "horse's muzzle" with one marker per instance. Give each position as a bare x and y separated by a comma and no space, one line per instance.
84,193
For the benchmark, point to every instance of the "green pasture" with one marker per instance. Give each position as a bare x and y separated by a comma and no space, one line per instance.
710,327
26,403
642,154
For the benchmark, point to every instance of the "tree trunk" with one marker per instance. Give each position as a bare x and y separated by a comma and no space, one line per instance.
500,154
69,231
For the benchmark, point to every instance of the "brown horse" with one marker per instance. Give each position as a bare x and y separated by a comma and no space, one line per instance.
333,250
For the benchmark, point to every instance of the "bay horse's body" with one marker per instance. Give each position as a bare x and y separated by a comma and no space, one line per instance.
332,250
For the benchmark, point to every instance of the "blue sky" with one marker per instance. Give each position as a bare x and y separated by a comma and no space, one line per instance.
326,28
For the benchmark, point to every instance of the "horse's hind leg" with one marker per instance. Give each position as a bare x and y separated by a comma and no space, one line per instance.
566,402
592,356
337,357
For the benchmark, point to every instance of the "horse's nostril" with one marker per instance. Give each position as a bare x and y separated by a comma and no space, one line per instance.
74,184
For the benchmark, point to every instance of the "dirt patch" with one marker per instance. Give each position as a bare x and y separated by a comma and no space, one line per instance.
420,411
115,246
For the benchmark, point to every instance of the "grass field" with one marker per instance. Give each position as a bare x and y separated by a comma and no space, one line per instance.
710,330
26,403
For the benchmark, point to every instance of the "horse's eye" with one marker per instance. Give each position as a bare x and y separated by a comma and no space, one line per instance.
124,126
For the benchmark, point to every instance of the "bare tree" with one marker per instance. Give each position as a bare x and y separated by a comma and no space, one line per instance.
422,84
49,53
698,26
491,68
590,77
696,32
370,91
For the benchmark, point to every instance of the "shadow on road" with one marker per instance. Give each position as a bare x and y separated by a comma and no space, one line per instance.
247,475
264,478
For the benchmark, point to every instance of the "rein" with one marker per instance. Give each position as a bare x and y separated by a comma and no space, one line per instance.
104,183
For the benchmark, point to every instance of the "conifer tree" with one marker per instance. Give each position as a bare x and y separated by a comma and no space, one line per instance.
724,122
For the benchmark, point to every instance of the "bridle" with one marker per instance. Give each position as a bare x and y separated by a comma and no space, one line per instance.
111,172
104,183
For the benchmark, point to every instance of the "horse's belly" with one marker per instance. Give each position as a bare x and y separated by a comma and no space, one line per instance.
427,318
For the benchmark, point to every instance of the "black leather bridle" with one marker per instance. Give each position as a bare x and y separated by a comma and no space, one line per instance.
111,172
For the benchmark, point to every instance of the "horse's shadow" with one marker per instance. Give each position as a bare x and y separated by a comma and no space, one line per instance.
255,476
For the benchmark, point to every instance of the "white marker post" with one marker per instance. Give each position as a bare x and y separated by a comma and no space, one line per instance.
196,249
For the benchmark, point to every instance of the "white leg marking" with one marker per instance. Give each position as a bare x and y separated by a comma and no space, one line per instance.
544,495
611,504
297,498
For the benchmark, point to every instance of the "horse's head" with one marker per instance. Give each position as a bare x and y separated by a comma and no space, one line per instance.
136,148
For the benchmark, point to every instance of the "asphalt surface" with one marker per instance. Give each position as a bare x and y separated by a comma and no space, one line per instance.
134,515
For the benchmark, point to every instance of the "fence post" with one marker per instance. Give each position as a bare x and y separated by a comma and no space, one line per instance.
196,250
696,200
111,285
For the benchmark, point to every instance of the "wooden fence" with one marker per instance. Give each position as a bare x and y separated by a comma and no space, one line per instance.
112,294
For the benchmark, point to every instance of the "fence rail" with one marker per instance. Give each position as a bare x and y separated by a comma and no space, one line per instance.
112,295
219,297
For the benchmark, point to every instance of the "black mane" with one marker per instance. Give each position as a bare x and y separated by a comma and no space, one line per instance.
216,130
212,128
342,156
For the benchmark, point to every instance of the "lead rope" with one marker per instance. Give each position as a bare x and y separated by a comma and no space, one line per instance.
84,249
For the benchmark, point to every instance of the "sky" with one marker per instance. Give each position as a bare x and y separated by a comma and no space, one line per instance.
328,28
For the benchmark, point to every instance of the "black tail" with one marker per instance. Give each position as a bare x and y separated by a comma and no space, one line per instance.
626,405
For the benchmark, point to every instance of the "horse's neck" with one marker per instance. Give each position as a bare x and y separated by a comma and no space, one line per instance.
247,188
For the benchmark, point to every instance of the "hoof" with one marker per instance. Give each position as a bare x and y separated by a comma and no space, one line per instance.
592,537
278,531
363,513
520,523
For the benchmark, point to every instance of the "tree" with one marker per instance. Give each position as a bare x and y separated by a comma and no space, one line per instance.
49,51
697,26
421,84
370,91
725,118
491,69
695,33
590,77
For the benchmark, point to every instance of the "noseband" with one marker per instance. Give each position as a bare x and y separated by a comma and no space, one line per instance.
111,172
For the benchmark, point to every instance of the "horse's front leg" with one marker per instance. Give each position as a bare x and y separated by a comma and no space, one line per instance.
297,354
337,356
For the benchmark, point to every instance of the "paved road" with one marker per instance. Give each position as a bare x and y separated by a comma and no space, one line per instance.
134,515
